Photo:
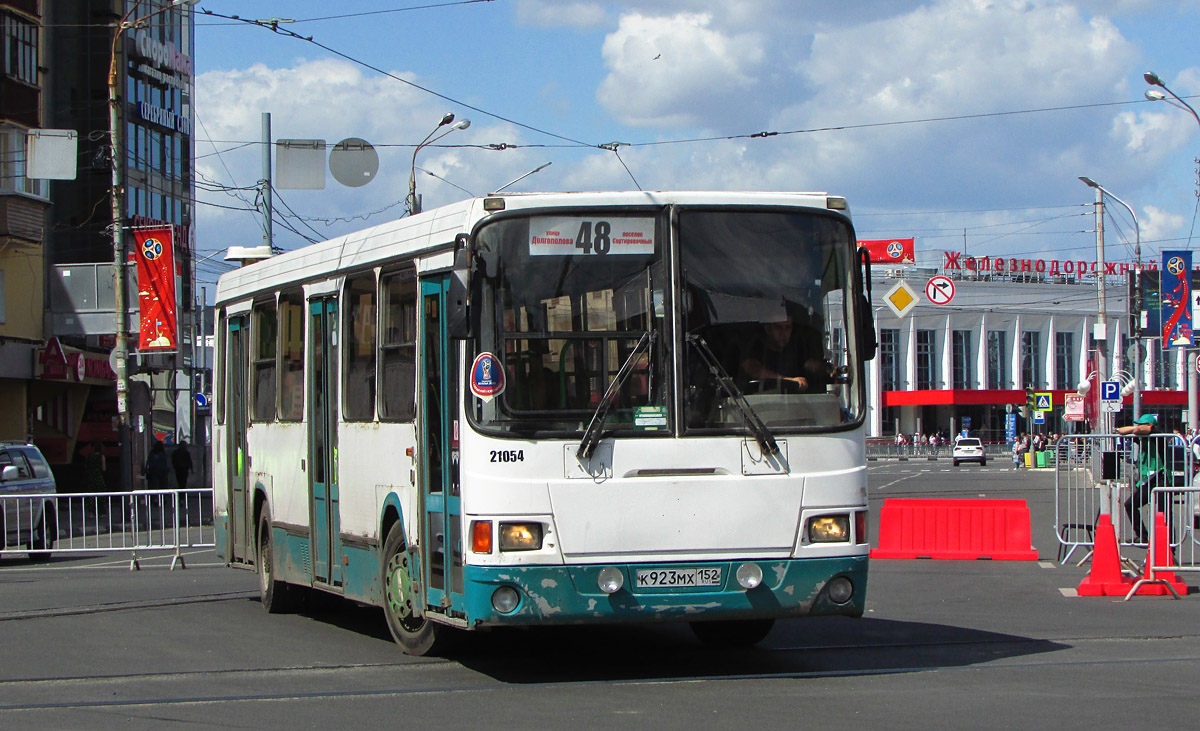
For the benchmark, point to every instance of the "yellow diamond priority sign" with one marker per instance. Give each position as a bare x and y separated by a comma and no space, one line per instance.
901,298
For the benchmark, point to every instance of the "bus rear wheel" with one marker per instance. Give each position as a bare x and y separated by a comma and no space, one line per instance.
415,634
277,597
733,633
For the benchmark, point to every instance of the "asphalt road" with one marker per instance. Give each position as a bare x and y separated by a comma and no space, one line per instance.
86,643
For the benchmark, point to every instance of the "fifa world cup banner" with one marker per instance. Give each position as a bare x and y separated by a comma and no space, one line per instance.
890,251
156,289
1176,299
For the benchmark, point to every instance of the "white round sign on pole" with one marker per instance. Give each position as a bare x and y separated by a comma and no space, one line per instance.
939,290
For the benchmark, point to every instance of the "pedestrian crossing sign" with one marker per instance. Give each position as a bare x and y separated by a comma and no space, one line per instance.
1044,401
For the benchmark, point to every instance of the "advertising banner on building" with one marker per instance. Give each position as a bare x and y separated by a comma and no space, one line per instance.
1176,299
890,251
156,289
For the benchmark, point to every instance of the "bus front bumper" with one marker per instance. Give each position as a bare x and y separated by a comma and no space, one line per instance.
546,595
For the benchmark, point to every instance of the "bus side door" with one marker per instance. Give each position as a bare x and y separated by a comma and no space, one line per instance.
241,500
442,556
322,440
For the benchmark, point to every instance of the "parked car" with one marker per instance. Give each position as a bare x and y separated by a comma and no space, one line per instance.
26,520
969,449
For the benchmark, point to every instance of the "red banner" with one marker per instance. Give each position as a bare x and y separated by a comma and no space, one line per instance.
156,289
890,251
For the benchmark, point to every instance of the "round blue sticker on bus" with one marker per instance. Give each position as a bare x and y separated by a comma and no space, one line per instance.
487,376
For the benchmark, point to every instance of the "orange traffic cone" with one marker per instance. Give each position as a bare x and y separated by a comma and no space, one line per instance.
1160,555
1105,578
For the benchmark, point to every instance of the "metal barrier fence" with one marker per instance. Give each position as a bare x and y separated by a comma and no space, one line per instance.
1117,474
890,450
1181,508
103,522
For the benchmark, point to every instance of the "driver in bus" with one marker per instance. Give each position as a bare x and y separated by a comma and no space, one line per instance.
787,351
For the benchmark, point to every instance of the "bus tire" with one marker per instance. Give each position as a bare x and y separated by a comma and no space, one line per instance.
416,635
732,633
278,597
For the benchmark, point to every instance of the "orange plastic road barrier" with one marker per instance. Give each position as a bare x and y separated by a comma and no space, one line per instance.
1105,577
955,529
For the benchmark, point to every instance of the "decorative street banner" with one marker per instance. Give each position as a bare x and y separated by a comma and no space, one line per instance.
1176,299
156,289
890,251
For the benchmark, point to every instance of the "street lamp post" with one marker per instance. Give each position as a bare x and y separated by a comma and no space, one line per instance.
1135,305
1192,375
414,202
120,254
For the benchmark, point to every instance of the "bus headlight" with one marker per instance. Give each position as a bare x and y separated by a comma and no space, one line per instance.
520,536
829,529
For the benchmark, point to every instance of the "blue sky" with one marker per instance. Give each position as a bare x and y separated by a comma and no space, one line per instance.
962,123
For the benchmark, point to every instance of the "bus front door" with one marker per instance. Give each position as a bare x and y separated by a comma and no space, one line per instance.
442,556
323,446
241,501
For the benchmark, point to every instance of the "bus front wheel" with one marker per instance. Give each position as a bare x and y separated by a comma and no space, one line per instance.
733,633
415,634
277,597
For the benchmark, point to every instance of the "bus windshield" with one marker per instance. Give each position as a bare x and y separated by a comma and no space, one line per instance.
568,300
565,301
766,294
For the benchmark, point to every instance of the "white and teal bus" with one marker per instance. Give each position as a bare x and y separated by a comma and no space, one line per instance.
560,408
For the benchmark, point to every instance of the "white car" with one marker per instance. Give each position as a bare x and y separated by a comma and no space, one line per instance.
969,449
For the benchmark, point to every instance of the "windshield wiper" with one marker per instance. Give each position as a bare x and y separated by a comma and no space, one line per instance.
762,435
591,435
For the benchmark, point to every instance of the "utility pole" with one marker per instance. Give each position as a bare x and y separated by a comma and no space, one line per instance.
268,238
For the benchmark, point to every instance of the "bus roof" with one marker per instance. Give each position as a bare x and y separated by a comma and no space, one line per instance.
439,226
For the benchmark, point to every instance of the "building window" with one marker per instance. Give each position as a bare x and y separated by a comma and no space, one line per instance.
1031,359
13,154
960,353
20,49
889,359
926,359
997,359
1064,360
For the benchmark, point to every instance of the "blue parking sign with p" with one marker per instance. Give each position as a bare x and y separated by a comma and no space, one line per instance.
1110,390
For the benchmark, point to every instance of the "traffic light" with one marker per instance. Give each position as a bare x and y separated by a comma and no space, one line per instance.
1030,400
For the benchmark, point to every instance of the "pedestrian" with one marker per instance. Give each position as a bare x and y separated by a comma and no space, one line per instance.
181,461
1149,467
158,475
1016,454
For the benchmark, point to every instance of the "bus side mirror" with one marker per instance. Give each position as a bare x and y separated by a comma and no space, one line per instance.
868,342
458,310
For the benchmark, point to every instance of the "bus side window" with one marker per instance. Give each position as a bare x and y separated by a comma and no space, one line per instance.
398,347
266,333
358,375
291,356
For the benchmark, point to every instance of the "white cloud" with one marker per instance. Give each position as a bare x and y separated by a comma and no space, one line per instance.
333,100
677,71
560,13
1156,223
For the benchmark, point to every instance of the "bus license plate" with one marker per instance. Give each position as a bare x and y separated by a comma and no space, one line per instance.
678,578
